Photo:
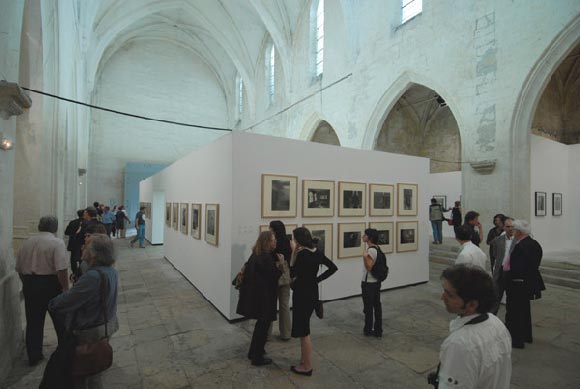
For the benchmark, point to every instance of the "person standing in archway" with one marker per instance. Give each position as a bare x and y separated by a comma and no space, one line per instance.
436,218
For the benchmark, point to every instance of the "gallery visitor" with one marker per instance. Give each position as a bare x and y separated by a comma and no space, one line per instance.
371,287
140,227
283,248
121,218
499,251
477,352
472,222
258,294
436,218
469,254
304,266
456,216
495,231
74,243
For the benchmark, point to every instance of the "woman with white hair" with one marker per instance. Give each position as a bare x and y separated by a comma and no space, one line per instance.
523,283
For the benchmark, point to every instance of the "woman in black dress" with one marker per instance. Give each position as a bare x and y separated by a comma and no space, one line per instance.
306,261
258,294
456,216
283,248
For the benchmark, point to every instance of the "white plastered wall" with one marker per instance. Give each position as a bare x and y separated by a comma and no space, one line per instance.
153,230
554,169
229,172
447,184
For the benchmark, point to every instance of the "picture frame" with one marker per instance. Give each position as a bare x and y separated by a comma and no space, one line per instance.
350,243
407,236
317,198
289,229
352,199
175,216
184,218
381,199
212,223
556,204
540,203
385,229
322,231
407,199
441,200
168,214
279,194
196,210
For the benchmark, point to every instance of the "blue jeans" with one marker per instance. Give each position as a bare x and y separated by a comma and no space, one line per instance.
140,235
437,226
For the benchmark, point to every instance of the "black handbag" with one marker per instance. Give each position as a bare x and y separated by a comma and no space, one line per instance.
93,358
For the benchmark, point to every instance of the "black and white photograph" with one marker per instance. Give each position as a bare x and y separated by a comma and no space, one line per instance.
407,236
279,196
212,212
540,201
441,200
556,204
175,216
385,230
184,213
317,198
352,199
407,199
324,234
350,239
196,220
381,199
168,214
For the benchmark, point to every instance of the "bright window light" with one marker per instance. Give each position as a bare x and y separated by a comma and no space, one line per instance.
410,9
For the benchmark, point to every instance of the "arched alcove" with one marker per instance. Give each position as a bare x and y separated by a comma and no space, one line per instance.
420,123
557,116
324,133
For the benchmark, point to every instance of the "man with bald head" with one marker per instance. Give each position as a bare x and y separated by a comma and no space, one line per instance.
523,283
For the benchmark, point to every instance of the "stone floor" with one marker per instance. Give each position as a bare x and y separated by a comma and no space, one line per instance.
171,337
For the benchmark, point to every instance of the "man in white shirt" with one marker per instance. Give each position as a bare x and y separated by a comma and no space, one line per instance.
477,352
500,249
470,254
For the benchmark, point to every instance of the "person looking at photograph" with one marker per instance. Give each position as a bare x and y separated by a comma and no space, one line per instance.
285,251
306,261
258,294
436,217
371,287
456,216
140,227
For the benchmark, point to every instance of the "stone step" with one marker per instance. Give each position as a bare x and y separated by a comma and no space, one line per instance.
558,272
560,281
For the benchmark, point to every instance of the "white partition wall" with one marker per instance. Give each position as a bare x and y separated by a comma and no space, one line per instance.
156,201
229,172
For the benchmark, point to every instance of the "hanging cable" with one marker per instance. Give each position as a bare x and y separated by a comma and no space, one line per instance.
127,114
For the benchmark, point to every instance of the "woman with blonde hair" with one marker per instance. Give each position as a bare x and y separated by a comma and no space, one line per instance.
258,294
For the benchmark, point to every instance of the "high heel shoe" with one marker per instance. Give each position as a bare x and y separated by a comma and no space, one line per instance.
306,373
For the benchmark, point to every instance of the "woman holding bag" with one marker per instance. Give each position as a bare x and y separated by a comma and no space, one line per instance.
258,294
306,261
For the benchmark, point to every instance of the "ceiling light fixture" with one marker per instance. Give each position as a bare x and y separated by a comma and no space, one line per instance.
5,143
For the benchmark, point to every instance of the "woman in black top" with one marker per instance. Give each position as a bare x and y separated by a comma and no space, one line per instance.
283,248
306,261
258,294
456,216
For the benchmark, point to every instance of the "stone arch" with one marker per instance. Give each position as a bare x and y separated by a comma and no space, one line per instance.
417,112
317,129
526,104
392,95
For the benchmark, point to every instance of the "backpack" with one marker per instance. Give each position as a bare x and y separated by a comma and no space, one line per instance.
380,269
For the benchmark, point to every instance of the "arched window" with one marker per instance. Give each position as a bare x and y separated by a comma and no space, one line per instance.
410,9
317,25
240,95
271,72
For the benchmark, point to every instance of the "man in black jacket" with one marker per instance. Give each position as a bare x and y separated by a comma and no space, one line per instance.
523,283
74,244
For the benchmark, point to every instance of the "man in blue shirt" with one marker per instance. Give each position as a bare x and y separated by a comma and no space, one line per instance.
140,226
108,220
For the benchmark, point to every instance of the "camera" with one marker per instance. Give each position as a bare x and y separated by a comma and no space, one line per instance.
433,379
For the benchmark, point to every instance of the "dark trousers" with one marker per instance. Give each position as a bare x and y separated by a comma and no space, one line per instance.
75,260
259,338
499,291
518,316
38,291
371,294
108,227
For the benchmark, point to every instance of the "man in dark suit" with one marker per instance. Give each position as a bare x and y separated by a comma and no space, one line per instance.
74,244
523,283
499,249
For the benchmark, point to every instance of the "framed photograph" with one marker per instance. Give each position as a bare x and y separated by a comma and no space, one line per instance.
279,196
212,223
324,234
441,200
317,198
407,199
385,230
289,229
168,214
540,203
184,218
556,204
407,236
196,220
351,199
175,216
381,199
350,240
